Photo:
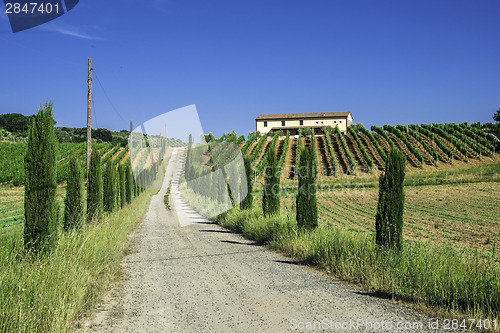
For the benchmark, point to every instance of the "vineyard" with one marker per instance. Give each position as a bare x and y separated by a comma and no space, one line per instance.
361,152
12,170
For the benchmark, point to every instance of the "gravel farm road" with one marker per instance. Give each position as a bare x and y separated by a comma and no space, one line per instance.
187,274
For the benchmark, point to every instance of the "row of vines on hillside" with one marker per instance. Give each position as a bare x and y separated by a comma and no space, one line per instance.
372,139
263,161
403,138
479,139
444,134
250,140
299,148
380,131
418,137
455,130
348,154
425,131
361,147
256,149
283,153
333,161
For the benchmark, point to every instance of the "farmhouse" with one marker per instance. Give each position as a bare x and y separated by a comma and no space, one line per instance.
294,121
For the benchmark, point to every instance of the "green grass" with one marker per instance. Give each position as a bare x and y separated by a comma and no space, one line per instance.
436,276
50,293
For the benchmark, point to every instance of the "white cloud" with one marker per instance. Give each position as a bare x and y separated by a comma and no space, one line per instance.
68,31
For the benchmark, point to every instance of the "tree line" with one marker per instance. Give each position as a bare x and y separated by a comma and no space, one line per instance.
106,191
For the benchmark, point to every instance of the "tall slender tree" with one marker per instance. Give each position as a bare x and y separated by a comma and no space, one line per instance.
128,184
271,195
74,213
306,203
109,188
389,218
247,202
40,206
94,188
122,180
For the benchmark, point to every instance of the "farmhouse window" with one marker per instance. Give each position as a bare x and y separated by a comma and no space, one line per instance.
301,123
282,123
265,124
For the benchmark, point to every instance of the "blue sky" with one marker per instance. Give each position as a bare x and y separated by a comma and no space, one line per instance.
388,62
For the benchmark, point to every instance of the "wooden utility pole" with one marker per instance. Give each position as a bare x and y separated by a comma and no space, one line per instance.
89,117
131,126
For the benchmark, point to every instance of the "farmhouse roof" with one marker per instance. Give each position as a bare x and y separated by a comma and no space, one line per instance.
303,115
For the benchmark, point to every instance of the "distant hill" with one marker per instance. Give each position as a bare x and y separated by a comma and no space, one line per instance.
14,127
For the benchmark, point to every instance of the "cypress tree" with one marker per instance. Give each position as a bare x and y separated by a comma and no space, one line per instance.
109,188
128,184
389,218
94,188
187,165
122,178
271,195
248,201
40,206
73,203
306,203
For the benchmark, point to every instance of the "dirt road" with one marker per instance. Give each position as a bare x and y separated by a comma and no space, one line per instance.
189,275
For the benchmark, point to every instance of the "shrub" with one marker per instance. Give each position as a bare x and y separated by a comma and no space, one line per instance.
389,218
40,206
307,207
73,203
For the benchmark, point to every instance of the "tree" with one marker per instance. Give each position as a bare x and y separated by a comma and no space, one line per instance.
122,185
73,203
94,188
271,196
248,201
187,163
16,122
40,206
109,190
389,218
496,116
306,202
128,184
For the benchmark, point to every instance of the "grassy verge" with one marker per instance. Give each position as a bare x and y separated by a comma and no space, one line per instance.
452,284
49,293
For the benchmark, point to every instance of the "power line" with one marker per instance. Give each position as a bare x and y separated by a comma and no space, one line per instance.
106,94
71,63
95,113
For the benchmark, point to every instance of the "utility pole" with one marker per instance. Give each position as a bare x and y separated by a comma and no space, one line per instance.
131,126
89,117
